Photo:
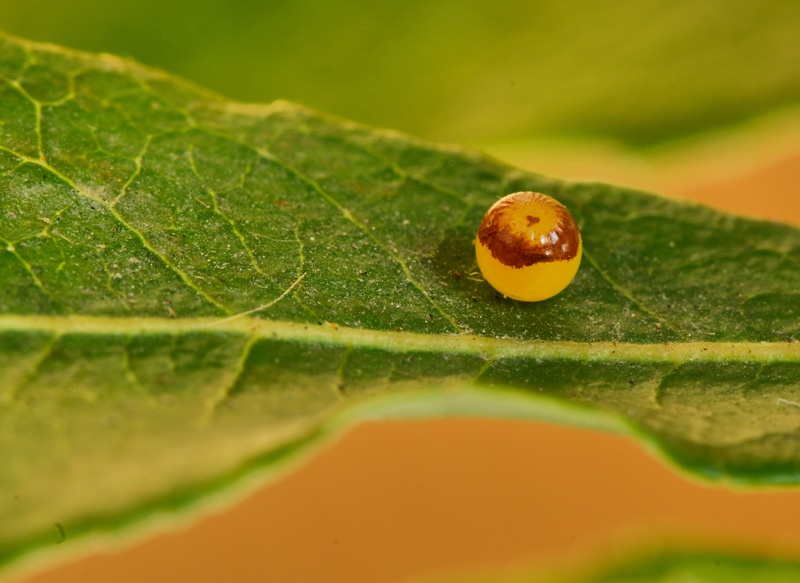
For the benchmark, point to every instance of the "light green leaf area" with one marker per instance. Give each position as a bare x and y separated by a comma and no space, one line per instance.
641,73
665,567
192,289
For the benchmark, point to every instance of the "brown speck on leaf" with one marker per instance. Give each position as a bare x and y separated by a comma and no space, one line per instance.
280,202
457,275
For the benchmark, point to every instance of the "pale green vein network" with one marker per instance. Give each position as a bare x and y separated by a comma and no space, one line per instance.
213,194
622,291
223,393
37,108
11,392
138,169
286,292
157,352
345,212
192,124
9,247
183,275
110,207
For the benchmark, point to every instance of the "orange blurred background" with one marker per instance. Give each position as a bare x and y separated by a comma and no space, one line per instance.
394,500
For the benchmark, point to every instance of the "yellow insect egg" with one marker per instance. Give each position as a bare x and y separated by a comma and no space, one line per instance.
528,246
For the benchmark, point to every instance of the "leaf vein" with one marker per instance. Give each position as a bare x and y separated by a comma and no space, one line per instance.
214,404
12,393
627,294
185,277
345,212
9,247
213,194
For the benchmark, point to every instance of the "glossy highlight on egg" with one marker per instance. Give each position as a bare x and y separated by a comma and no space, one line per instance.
528,246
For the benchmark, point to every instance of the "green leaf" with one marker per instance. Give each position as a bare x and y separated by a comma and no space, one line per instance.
194,290
702,567
640,72
664,566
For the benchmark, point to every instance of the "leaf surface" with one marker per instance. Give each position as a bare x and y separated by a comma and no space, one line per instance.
662,566
193,289
639,73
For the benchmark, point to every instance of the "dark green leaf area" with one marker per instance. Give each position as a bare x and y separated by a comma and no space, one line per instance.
667,566
772,307
695,268
126,192
13,57
18,121
100,406
45,83
192,288
719,419
197,405
188,407
284,379
700,567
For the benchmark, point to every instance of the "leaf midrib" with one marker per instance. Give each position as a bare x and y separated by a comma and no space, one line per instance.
402,341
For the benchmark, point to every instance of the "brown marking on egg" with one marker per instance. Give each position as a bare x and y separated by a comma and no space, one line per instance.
514,246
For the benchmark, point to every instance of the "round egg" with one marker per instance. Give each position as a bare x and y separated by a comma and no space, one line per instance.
528,246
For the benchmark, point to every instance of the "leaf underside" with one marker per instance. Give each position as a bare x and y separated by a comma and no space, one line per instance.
191,288
662,566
